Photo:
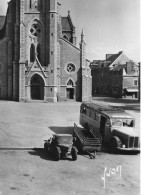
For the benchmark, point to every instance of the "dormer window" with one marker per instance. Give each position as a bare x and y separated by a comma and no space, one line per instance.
66,37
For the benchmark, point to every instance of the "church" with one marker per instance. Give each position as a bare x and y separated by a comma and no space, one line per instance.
39,59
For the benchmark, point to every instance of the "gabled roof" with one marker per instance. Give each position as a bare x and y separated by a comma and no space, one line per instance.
67,24
2,21
116,59
113,57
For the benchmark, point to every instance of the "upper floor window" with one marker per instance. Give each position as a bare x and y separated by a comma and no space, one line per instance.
35,3
32,53
135,82
35,30
39,52
30,4
70,68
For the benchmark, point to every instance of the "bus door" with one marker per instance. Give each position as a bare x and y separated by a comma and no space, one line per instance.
106,127
102,126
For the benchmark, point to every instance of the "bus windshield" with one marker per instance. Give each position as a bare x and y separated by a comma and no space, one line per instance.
122,122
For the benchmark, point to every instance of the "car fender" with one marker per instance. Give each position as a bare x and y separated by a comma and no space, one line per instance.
119,143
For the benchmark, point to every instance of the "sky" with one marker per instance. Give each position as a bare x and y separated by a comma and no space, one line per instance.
109,26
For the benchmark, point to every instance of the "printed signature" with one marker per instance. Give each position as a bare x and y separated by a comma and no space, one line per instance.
110,172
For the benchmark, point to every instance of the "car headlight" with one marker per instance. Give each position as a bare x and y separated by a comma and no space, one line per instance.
123,146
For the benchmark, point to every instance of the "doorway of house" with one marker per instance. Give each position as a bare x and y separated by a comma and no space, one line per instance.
37,87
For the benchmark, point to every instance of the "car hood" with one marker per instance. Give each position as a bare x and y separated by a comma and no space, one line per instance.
126,130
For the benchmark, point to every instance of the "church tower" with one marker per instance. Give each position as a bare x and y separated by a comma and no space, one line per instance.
39,58
38,50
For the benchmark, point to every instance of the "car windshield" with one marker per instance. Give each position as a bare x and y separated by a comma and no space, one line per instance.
122,122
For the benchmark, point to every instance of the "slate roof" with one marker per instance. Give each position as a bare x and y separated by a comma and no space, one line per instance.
66,26
2,21
113,57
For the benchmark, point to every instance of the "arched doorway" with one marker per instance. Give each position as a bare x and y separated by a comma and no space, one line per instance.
37,87
70,89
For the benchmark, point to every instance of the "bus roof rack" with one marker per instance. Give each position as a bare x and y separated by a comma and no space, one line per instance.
101,107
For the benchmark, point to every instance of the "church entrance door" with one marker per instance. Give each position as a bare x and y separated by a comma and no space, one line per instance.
37,87
70,89
70,93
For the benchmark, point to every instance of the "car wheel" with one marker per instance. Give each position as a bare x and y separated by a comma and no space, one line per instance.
115,143
56,154
74,153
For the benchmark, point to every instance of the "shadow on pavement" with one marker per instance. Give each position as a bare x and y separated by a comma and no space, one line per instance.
45,155
107,150
62,130
40,152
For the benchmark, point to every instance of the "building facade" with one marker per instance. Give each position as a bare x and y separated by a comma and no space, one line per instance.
117,76
39,59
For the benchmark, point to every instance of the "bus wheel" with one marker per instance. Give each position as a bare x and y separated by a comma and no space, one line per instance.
115,143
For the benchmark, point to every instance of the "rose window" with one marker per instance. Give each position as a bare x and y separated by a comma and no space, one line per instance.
35,30
70,68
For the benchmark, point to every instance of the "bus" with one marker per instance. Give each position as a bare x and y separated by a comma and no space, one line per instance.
115,127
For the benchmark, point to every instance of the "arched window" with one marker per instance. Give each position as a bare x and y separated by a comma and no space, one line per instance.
70,68
39,52
70,83
66,37
32,53
30,4
35,30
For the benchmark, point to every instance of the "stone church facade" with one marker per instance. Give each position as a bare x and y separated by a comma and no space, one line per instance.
39,59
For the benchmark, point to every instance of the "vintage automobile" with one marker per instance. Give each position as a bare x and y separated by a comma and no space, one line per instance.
60,146
113,124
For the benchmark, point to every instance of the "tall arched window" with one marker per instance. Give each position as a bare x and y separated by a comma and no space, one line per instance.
30,4
39,52
70,83
32,53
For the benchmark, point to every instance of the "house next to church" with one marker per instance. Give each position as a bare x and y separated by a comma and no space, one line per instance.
117,76
39,59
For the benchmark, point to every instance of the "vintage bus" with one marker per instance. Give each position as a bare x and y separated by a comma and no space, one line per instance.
113,124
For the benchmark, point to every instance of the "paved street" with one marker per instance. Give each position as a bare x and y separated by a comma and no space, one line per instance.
24,126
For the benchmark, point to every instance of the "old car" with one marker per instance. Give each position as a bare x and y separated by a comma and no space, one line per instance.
113,124
60,146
